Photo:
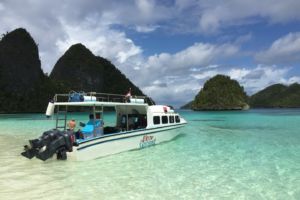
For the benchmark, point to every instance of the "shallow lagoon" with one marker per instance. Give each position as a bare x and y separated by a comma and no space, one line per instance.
235,155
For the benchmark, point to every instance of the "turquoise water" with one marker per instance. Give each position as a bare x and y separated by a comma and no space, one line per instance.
219,155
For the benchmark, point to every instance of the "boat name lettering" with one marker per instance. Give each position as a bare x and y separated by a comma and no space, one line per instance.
147,141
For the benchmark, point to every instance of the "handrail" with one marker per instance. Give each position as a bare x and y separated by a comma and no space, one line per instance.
102,97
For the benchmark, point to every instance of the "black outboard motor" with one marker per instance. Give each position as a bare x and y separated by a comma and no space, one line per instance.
51,142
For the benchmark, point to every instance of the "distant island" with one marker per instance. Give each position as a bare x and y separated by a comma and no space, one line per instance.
222,93
277,96
25,88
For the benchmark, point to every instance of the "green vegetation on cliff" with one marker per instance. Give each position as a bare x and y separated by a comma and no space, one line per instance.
277,96
80,70
23,86
220,93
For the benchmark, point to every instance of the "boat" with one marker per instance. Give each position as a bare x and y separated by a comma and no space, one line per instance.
139,124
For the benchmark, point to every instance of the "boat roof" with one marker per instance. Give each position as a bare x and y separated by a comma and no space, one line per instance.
98,103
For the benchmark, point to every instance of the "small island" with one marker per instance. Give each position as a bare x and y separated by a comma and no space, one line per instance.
221,93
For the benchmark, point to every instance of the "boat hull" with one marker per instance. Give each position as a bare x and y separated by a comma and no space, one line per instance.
114,144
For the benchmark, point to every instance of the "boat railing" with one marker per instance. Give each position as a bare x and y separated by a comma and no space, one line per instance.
103,97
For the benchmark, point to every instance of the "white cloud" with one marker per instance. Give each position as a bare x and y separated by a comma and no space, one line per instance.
146,29
1,7
293,79
238,73
176,93
214,15
197,55
101,40
145,6
205,75
261,76
243,38
284,50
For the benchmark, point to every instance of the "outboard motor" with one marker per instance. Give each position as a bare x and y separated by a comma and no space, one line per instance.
51,142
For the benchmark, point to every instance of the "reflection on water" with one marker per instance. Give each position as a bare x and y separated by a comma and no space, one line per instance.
233,155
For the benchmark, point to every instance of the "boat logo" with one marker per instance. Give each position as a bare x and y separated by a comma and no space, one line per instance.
147,141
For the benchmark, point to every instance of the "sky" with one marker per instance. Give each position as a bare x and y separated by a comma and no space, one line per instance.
169,48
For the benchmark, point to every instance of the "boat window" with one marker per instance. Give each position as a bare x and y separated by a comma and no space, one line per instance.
156,120
171,119
164,119
177,119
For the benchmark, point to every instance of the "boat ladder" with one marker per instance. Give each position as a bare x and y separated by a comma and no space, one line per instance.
61,119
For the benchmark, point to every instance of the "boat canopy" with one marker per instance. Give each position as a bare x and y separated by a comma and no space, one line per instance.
93,99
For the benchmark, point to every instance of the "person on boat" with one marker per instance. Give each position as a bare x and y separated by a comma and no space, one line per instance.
72,124
128,96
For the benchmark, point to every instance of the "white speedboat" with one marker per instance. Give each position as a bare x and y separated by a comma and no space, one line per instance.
138,125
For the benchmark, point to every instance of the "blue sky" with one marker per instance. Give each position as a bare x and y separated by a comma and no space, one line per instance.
170,48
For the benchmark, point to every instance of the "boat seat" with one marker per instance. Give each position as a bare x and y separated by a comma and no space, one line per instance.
88,129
